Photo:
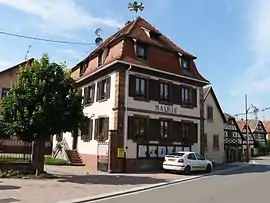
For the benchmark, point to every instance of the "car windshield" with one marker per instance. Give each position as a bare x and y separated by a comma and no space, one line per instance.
176,154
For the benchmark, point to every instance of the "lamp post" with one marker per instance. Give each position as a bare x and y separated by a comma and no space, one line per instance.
246,112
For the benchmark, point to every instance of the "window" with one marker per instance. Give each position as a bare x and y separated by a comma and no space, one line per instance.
184,64
164,91
186,95
164,129
209,113
100,59
230,133
137,127
191,156
215,142
87,130
83,67
199,157
5,92
140,87
141,51
186,129
103,89
101,128
89,94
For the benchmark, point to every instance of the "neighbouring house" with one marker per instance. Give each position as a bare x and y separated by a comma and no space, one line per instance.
233,140
256,134
142,95
14,145
267,128
213,127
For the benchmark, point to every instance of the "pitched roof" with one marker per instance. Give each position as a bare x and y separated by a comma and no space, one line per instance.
267,125
206,92
252,123
17,65
138,30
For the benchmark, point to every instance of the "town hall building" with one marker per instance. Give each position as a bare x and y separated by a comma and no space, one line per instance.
143,97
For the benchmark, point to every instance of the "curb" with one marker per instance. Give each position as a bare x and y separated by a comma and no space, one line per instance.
144,188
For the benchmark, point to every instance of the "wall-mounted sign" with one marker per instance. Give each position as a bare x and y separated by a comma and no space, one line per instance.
165,109
120,152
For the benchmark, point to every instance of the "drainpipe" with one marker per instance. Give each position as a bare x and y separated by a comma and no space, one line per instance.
126,116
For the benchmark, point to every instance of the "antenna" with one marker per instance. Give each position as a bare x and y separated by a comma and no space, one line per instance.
135,6
27,52
98,39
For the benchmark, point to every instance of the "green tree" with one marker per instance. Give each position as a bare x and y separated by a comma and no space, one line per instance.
44,101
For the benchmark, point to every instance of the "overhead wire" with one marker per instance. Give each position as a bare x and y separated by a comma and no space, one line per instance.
46,40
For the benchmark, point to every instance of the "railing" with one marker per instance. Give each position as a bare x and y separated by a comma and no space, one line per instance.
16,150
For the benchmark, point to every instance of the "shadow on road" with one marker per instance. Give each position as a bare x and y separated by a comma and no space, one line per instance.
9,187
255,168
110,179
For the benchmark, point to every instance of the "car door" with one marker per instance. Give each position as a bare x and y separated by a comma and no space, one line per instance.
192,161
201,162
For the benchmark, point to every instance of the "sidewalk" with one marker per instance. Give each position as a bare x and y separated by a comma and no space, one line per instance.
75,183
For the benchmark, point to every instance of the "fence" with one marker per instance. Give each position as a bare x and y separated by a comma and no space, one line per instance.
15,150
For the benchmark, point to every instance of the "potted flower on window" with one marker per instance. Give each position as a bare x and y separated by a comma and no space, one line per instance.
101,138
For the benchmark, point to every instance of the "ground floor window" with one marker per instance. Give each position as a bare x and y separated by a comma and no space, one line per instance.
101,128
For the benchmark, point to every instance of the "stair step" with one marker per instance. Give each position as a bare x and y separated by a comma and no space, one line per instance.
74,158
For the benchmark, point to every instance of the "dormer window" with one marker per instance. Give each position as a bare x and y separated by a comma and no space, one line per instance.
100,59
184,64
141,51
83,67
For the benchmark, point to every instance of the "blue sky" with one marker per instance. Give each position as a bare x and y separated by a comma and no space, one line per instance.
230,37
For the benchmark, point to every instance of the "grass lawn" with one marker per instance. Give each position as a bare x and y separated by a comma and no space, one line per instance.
54,161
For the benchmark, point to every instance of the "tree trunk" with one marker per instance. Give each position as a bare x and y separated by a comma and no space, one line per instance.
38,153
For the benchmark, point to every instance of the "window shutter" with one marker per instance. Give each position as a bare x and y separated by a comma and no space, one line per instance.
147,89
154,93
98,91
170,90
108,87
91,129
132,86
153,130
106,127
194,97
175,94
93,93
195,132
181,95
176,134
80,93
131,126
96,128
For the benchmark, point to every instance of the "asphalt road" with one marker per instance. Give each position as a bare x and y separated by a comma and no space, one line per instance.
240,186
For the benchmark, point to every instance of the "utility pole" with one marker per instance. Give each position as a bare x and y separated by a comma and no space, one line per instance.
247,138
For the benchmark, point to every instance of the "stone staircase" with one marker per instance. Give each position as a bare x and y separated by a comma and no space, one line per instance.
74,158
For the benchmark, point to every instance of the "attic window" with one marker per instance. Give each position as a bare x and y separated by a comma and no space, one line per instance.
141,51
83,67
184,64
100,59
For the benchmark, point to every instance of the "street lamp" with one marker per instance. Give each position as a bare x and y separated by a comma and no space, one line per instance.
247,138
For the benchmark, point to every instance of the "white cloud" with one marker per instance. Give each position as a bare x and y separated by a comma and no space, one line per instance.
63,15
255,80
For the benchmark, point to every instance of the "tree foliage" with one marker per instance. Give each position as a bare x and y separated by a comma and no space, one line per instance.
44,101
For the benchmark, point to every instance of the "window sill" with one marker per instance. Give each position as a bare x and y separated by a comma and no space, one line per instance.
187,105
165,102
138,98
103,100
89,104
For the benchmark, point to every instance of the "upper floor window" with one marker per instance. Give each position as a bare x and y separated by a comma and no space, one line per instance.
103,89
5,93
83,67
141,51
186,95
140,87
89,94
184,64
209,113
164,91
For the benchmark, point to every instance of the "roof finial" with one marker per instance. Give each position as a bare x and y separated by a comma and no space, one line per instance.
135,6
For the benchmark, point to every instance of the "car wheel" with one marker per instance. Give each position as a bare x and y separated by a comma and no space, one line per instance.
187,170
208,168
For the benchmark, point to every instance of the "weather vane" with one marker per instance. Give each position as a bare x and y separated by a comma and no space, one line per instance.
135,7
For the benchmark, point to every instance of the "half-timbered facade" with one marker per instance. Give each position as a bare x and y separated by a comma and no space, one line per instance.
213,127
146,91
256,134
233,140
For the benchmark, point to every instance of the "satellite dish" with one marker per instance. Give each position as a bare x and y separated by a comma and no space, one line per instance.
98,32
98,41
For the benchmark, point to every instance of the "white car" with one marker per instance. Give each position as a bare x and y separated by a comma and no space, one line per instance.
186,162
